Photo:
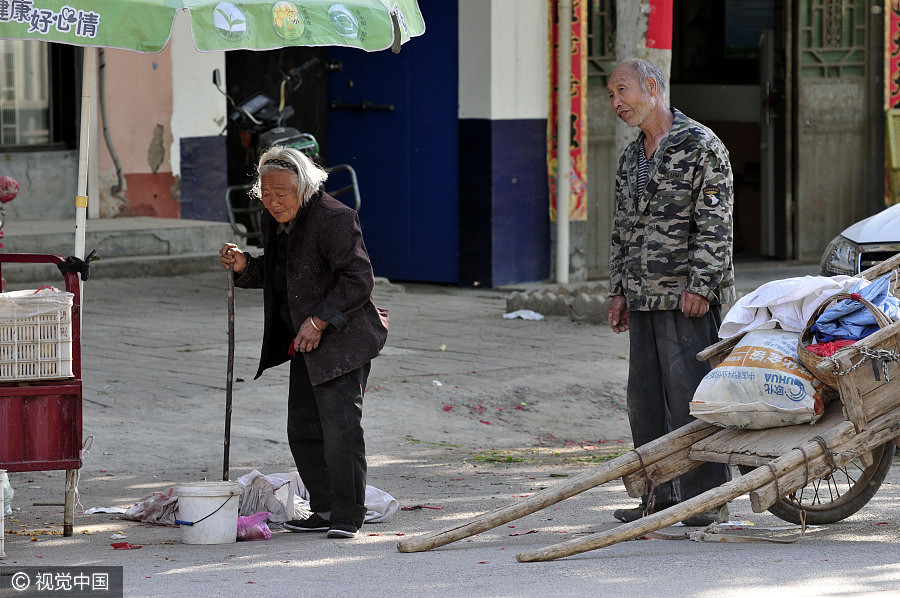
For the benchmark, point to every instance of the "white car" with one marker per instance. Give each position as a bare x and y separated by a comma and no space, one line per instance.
864,244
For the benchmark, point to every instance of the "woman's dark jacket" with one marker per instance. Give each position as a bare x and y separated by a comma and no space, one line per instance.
329,275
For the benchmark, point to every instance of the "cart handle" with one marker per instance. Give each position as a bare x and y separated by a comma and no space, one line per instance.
71,278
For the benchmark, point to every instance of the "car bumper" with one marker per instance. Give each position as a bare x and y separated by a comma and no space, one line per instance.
844,256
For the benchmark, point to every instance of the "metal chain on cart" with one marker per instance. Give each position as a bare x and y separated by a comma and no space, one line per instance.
877,355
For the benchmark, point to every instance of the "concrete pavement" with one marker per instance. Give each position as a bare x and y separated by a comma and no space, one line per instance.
154,377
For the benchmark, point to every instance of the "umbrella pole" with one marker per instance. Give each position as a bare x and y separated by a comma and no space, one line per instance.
84,139
230,375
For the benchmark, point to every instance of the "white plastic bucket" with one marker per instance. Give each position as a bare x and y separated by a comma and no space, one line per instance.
208,511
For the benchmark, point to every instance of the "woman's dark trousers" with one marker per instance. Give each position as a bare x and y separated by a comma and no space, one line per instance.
326,438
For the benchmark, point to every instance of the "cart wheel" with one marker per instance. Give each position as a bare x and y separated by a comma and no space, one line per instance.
838,495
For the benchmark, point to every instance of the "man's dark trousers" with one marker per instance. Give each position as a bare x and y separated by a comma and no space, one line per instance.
662,377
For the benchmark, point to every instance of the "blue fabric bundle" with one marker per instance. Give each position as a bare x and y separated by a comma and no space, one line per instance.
851,320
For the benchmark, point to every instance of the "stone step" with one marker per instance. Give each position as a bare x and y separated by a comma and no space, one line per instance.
581,302
128,247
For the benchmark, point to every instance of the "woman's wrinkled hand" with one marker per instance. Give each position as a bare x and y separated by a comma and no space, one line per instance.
232,256
309,336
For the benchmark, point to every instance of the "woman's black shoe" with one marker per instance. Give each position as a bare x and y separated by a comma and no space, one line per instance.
313,524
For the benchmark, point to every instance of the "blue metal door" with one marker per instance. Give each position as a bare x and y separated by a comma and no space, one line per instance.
393,117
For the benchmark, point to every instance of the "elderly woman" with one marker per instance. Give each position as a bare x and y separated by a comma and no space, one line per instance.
319,316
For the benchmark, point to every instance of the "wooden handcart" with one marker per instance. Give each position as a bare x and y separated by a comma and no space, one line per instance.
816,474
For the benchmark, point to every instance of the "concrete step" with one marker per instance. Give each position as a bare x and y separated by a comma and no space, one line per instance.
128,247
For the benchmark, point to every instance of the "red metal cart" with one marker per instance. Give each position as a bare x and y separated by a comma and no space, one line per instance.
40,419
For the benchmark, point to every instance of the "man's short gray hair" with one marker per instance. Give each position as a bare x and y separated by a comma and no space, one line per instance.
645,69
306,174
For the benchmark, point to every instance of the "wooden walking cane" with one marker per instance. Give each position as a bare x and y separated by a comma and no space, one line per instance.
230,375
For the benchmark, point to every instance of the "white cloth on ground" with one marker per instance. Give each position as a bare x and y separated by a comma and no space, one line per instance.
283,495
273,493
158,507
379,504
788,303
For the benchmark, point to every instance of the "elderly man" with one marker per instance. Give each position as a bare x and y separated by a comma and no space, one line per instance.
670,268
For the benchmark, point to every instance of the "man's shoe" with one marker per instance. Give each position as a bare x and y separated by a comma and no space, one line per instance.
708,517
629,515
342,530
314,523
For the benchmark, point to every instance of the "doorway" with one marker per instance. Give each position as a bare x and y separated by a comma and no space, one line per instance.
250,72
728,73
395,119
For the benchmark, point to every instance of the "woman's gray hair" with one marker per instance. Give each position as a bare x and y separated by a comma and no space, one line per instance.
307,175
645,69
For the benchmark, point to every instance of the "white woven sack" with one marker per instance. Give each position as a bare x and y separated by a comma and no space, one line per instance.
761,384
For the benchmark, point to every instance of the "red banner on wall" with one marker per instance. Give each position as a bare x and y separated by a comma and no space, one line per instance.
578,109
659,25
893,56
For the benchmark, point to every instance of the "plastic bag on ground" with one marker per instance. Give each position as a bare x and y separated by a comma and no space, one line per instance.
253,527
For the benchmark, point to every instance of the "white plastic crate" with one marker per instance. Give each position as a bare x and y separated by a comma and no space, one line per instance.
35,335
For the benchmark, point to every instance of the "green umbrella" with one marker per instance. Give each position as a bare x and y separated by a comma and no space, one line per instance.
146,25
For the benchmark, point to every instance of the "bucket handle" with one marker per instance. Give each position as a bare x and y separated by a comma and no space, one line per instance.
179,522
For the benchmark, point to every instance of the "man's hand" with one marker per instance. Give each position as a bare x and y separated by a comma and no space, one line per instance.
618,314
693,305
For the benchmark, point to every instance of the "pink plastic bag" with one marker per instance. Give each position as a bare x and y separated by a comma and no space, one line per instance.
253,527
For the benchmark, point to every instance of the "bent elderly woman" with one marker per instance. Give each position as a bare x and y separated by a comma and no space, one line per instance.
319,315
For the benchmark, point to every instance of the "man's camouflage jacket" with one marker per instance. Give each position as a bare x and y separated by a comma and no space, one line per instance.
678,234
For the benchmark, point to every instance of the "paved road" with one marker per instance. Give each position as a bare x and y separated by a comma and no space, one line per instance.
154,353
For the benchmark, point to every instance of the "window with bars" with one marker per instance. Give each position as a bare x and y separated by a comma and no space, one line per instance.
38,98
601,39
833,38
24,93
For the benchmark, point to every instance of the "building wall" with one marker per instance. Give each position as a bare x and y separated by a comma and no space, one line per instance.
47,186
503,106
138,105
197,152
198,108
153,101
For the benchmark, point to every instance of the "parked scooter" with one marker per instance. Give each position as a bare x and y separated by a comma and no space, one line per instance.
261,124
